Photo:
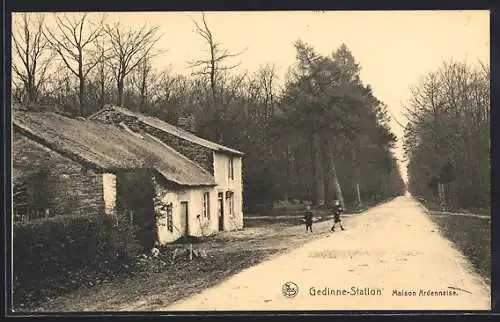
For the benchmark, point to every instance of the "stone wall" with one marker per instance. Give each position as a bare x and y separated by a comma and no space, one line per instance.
53,181
186,121
201,155
114,117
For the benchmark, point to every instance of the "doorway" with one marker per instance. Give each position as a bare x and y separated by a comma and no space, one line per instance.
184,218
134,200
220,200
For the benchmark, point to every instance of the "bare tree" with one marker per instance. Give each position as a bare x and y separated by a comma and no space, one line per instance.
230,87
448,134
213,65
32,57
128,49
267,76
143,79
170,85
103,74
73,40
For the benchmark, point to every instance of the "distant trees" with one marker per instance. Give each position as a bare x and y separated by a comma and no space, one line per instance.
213,68
447,139
342,121
34,57
316,136
92,51
128,48
73,39
102,77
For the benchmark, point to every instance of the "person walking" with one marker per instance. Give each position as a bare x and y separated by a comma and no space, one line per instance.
308,218
337,209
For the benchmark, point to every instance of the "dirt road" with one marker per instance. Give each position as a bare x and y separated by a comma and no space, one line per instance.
394,253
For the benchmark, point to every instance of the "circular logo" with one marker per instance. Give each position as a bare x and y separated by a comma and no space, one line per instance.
290,289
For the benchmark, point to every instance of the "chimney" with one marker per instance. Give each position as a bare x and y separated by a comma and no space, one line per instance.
186,121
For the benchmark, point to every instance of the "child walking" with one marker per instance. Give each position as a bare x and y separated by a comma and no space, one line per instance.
308,218
337,210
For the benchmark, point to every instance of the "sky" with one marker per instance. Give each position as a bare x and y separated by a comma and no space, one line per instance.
394,48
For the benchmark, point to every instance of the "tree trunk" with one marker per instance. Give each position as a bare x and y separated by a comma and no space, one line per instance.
358,194
336,184
329,181
31,89
318,196
143,93
301,180
357,177
142,103
289,181
119,86
312,194
102,100
215,107
81,92
81,96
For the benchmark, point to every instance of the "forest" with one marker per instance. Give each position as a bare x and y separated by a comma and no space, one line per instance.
447,138
319,134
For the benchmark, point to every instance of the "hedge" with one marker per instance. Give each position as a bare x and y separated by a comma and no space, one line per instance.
51,255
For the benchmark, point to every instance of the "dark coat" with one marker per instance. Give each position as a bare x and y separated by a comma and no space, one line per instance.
308,217
337,210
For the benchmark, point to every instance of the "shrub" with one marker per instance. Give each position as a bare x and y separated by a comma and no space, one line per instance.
48,253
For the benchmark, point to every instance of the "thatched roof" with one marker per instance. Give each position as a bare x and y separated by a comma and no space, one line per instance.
170,129
108,147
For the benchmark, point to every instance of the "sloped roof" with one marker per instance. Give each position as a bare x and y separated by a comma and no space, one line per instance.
171,129
109,147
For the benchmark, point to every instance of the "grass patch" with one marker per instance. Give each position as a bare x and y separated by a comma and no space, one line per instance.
434,205
472,236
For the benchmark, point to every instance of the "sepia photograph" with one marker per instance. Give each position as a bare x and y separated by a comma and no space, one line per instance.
250,161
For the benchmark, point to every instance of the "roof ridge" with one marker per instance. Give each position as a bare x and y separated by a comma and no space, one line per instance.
145,118
180,129
220,147
178,153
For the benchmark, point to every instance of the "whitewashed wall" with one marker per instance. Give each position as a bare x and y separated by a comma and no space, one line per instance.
235,185
109,193
198,226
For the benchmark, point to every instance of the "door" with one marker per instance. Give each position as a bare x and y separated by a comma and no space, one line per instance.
220,200
184,218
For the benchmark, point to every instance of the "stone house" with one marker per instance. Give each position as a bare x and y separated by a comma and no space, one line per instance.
70,167
223,205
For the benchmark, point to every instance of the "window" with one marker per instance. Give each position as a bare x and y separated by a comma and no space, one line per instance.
170,221
231,168
230,202
206,205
